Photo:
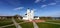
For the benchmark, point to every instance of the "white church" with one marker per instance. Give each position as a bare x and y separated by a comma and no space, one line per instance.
30,15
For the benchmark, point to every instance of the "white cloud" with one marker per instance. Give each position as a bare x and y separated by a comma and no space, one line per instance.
19,8
48,5
43,6
36,1
52,4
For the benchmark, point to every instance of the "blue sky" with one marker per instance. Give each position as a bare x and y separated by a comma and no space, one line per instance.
41,7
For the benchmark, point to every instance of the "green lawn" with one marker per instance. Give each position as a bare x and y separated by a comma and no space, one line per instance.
5,22
27,25
55,21
30,25
48,25
10,27
8,22
41,25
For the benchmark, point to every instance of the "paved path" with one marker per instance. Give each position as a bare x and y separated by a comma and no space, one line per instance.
16,24
35,25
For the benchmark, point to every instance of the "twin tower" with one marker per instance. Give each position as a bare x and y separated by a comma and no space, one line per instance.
29,15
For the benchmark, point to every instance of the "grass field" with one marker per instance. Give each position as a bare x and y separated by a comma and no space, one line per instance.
41,25
10,27
48,25
30,24
55,21
5,22
8,22
27,25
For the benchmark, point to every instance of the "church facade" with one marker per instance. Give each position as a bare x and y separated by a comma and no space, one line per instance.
30,15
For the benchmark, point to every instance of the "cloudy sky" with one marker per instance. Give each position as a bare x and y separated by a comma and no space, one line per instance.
41,7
